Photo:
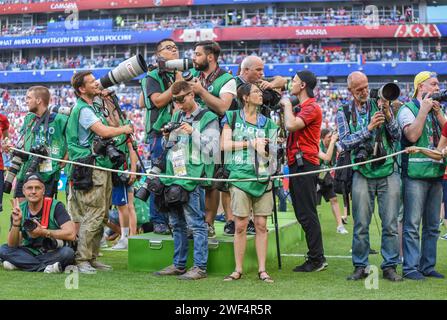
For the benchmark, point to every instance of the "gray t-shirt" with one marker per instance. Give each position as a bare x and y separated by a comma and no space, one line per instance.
87,118
405,118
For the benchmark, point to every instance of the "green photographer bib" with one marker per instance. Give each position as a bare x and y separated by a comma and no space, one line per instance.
242,162
184,160
369,170
75,149
419,165
51,138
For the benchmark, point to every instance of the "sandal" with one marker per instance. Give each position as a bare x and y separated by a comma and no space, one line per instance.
266,278
235,275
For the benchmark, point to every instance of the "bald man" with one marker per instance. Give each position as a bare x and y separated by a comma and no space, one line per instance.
252,71
362,125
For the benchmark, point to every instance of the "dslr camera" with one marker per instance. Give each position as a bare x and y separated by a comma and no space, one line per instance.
106,148
171,126
36,160
270,101
363,152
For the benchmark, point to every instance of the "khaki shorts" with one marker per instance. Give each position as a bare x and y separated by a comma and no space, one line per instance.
243,204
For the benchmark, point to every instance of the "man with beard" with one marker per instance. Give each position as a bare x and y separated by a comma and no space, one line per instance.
215,89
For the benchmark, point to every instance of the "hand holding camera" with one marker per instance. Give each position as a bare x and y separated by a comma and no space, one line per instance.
260,145
196,86
334,137
186,128
427,104
376,121
128,129
264,85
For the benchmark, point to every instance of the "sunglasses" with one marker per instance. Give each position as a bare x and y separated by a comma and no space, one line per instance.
181,98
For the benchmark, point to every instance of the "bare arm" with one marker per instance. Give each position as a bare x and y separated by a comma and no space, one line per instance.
227,143
66,232
14,237
218,105
328,155
414,131
109,132
292,123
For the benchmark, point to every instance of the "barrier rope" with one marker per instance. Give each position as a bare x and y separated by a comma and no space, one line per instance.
216,179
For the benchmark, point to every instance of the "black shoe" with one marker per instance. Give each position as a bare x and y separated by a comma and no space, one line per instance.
229,228
372,251
309,266
359,273
344,220
251,227
391,274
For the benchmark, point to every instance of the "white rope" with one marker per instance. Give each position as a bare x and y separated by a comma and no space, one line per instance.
215,179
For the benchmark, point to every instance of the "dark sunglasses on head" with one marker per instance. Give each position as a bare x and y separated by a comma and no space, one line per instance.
181,98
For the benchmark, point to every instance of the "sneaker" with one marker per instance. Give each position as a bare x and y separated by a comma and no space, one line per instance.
229,228
121,244
53,268
161,228
195,273
211,231
86,268
103,243
9,266
342,230
220,217
434,274
444,237
170,271
98,265
251,227
309,266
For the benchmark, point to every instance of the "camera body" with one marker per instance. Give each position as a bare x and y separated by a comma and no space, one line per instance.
39,149
151,185
106,148
29,225
270,102
363,152
171,126
17,161
440,97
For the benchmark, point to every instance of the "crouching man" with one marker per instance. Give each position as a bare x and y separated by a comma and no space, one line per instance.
42,234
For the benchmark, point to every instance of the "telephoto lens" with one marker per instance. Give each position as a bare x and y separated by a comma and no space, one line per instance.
187,75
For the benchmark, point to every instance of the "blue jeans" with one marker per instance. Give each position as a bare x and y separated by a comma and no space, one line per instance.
155,149
193,216
422,203
444,196
26,261
388,198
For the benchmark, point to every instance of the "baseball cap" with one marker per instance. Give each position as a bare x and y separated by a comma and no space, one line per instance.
310,79
33,177
421,77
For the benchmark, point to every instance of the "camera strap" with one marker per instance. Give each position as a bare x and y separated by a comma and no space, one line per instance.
208,81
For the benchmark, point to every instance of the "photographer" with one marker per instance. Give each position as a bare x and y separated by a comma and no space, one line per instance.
43,133
252,71
89,141
190,148
4,127
215,89
327,155
421,121
360,129
303,141
249,136
157,99
34,223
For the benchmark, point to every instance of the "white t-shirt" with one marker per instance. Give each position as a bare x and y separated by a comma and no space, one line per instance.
405,118
229,87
